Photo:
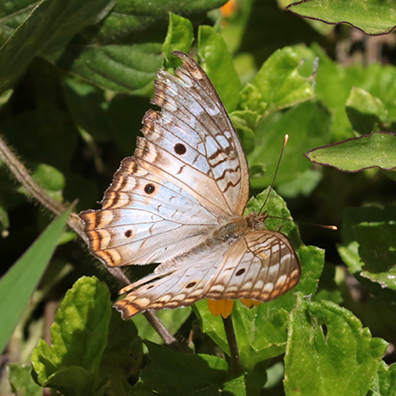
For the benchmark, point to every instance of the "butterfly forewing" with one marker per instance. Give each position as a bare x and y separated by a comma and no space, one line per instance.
145,219
191,98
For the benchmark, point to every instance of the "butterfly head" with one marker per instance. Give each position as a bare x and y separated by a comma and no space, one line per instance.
255,221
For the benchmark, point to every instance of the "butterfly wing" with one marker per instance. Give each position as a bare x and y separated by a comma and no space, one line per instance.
188,174
192,141
261,265
145,219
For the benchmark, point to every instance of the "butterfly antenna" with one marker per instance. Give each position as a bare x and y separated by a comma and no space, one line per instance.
286,138
327,227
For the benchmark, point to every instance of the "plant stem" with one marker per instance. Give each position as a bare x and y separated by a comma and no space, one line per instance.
19,171
235,361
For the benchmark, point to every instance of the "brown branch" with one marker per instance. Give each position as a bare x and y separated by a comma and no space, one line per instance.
235,361
19,171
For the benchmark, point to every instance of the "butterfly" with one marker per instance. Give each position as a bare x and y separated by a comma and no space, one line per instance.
179,201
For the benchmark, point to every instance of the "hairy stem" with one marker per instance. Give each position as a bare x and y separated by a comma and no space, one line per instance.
19,171
235,361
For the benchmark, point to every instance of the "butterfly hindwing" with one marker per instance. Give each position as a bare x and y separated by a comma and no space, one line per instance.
261,265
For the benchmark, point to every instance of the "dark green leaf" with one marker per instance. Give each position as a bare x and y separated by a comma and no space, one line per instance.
87,106
371,16
47,29
175,373
124,349
377,250
356,154
125,51
365,112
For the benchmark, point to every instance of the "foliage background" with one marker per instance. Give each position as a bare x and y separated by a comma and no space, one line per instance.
76,79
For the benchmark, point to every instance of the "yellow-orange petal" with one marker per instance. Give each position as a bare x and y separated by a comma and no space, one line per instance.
220,307
249,303
229,8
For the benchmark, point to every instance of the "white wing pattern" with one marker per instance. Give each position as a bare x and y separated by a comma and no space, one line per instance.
180,200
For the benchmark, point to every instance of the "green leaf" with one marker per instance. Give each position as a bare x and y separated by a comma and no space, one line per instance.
49,177
371,16
387,379
179,37
121,68
377,250
18,284
329,352
47,29
366,112
278,82
122,357
261,332
219,66
4,222
79,337
335,82
87,106
175,373
124,348
258,377
350,255
124,52
245,121
20,378
356,154
307,125
235,387
368,246
211,325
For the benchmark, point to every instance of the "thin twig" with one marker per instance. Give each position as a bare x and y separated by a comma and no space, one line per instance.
19,171
160,328
22,175
235,361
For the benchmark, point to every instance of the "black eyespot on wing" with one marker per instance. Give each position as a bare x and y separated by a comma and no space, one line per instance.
241,272
149,188
180,148
190,285
128,233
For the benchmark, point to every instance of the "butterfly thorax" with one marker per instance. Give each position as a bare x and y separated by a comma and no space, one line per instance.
236,227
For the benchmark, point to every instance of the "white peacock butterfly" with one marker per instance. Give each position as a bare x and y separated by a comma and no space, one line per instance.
179,201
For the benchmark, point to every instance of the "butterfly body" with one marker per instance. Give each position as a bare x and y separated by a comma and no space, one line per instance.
179,201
